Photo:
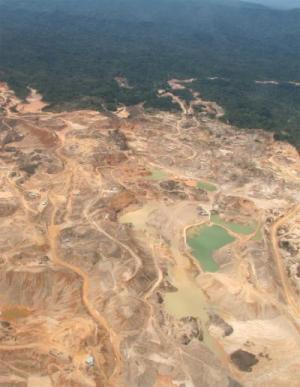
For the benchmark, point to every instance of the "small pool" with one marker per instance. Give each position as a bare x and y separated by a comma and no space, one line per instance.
237,228
204,241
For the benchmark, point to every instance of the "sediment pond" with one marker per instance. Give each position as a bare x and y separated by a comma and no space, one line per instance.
189,299
204,240
237,228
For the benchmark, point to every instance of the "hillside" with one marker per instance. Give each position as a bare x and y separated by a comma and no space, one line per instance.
146,249
72,52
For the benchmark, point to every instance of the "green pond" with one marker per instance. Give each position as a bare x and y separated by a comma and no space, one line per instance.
206,186
204,241
157,174
234,227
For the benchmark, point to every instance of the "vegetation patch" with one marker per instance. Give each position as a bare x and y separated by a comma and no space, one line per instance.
73,53
157,174
206,186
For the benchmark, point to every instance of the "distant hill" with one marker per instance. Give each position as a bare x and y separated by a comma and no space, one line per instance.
72,51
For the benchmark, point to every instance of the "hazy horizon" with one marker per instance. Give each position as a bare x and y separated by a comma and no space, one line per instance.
278,3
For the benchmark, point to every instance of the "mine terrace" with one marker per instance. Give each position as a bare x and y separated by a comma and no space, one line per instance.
146,248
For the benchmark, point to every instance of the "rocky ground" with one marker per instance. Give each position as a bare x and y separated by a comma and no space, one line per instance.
98,285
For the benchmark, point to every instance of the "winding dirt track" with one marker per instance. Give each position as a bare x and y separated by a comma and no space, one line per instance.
53,233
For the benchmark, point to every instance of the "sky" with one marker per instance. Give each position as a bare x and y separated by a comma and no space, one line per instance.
278,3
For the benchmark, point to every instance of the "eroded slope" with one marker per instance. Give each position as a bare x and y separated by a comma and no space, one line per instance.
99,283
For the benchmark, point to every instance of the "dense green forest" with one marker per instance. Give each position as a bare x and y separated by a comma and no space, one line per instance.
72,50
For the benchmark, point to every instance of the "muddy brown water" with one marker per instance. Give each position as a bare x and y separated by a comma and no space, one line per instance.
15,312
189,299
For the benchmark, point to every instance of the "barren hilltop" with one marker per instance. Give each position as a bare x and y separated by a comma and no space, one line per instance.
146,248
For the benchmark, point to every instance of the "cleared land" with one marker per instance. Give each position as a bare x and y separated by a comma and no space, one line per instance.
98,283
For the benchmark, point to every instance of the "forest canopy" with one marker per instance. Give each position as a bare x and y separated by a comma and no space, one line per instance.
72,51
